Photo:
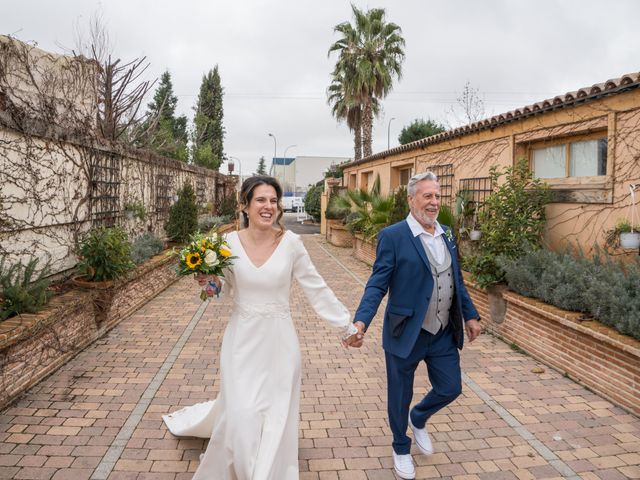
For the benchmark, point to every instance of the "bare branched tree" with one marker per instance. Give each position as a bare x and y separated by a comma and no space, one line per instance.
469,107
120,89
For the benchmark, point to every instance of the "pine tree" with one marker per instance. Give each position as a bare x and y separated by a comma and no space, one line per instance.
168,136
208,135
262,167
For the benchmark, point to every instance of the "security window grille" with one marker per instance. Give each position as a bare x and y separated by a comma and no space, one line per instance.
445,179
105,188
478,188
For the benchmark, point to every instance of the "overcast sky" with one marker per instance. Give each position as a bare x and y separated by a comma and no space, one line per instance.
272,57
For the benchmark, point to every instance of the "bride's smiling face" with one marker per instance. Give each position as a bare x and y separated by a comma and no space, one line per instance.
263,207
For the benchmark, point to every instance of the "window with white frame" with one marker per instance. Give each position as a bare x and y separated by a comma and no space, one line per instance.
578,158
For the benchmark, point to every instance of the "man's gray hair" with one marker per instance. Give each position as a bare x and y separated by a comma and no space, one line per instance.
420,177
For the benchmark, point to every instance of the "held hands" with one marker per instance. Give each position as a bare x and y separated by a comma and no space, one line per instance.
356,339
473,329
202,280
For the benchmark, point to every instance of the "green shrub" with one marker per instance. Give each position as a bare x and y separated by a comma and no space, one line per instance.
145,247
400,206
211,221
370,211
445,216
512,222
336,210
229,206
606,290
183,216
312,202
105,254
24,290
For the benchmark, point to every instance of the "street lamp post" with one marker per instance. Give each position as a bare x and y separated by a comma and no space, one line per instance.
388,132
285,167
239,167
275,146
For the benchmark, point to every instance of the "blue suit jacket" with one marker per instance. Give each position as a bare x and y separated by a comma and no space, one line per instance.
402,269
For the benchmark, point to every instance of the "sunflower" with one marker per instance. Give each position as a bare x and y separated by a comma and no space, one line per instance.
193,260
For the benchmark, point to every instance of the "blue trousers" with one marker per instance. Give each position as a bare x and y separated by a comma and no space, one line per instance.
441,355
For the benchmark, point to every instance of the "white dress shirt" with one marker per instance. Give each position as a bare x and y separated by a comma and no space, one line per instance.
433,241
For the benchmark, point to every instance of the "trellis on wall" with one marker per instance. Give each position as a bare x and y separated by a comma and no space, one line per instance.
104,174
445,179
479,188
201,192
163,195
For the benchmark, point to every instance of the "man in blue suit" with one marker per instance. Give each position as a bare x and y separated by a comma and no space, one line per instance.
428,311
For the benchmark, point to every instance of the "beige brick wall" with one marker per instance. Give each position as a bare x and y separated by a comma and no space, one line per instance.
338,235
34,346
363,250
590,353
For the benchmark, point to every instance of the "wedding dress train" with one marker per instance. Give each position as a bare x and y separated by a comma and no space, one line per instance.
253,423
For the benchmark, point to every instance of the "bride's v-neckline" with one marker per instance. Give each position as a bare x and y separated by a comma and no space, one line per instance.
244,250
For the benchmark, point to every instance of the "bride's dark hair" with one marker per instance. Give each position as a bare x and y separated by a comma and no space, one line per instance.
246,194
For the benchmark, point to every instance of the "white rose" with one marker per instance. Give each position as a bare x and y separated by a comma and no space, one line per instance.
214,237
211,258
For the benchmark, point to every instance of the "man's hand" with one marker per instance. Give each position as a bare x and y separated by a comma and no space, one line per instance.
356,340
473,329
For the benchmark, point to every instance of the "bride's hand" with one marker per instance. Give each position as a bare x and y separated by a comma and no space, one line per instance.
202,280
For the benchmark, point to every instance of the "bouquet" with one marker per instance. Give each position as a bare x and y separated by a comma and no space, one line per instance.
206,255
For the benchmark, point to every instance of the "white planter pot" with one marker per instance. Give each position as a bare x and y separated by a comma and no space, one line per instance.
630,240
475,235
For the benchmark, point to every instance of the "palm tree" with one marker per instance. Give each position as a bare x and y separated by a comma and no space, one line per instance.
371,53
346,108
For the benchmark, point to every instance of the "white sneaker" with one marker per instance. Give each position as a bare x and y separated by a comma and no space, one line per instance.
423,441
403,466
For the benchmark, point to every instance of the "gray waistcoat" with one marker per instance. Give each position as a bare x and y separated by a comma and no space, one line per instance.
442,295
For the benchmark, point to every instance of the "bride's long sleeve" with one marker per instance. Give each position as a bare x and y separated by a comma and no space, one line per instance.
321,297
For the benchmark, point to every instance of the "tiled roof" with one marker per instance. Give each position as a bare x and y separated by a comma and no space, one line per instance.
583,95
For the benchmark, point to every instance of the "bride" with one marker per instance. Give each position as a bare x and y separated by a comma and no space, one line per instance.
253,423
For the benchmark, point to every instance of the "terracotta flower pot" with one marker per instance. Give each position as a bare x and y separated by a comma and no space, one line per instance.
497,303
82,282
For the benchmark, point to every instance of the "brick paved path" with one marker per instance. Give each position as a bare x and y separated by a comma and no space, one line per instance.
99,416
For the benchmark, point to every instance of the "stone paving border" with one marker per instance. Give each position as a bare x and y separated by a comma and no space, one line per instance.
547,454
104,468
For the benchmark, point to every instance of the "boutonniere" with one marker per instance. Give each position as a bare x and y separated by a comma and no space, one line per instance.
449,235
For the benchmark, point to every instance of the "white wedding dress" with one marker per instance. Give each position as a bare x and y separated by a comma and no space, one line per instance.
253,423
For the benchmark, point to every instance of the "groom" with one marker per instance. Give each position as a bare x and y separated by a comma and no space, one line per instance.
427,312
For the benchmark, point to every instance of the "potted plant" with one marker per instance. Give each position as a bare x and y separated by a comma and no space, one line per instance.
513,220
624,235
105,256
629,236
475,233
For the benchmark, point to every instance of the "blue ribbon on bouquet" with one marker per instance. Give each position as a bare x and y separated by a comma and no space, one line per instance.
211,286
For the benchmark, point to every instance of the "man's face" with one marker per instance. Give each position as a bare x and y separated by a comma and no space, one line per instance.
425,204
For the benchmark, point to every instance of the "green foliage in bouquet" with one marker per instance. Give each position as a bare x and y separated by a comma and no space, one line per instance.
207,255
